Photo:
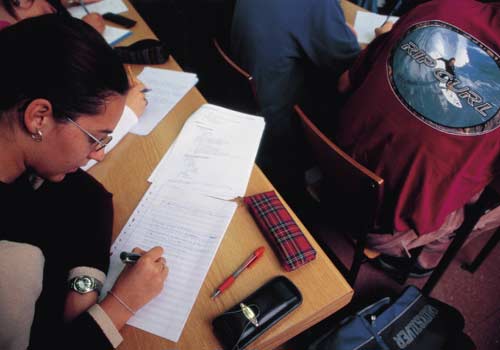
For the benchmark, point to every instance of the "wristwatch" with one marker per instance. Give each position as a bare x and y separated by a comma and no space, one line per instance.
85,284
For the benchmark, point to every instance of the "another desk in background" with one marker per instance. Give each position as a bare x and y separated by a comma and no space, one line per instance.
124,173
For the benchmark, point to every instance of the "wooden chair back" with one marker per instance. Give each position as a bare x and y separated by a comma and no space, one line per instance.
348,187
234,66
350,193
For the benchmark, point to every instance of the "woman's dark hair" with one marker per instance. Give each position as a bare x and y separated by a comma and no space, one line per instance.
9,6
61,59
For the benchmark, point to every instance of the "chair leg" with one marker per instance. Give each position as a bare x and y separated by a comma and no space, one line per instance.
461,236
472,215
483,254
445,261
402,276
357,260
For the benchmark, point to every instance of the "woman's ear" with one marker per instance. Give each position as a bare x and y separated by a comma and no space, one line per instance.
38,116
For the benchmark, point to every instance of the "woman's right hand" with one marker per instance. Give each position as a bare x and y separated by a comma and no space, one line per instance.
138,284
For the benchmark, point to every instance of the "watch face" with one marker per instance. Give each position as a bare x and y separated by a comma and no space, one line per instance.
84,284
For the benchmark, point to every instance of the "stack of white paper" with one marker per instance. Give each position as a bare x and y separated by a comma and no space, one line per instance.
365,24
212,158
101,7
168,87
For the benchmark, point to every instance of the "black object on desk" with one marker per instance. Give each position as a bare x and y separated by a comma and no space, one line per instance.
146,51
246,321
119,19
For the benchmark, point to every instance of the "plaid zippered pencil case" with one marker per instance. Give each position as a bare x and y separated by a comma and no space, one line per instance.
283,233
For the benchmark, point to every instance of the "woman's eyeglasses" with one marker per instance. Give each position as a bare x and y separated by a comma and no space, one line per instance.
98,144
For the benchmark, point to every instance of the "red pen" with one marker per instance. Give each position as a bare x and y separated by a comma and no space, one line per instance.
230,280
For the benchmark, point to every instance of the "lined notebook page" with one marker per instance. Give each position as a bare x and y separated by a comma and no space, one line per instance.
190,227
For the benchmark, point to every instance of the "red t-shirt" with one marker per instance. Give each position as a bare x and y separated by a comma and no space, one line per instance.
424,114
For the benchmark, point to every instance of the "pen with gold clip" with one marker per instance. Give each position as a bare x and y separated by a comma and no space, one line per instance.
230,280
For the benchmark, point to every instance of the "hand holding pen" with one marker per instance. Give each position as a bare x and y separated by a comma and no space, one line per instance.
137,284
136,99
246,264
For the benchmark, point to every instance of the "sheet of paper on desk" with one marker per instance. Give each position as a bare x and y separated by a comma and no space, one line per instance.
114,35
103,6
168,87
213,154
190,228
365,24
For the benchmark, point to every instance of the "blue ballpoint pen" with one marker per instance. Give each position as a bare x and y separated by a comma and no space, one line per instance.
82,3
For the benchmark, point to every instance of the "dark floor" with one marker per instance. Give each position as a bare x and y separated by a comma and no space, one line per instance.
187,26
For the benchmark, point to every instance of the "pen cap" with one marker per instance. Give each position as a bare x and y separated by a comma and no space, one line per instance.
257,254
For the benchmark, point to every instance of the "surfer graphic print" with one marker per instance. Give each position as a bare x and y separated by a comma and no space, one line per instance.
446,78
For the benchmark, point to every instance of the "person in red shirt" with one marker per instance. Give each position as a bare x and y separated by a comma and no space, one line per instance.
432,135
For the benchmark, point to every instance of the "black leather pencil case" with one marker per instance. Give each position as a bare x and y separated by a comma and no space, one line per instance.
246,321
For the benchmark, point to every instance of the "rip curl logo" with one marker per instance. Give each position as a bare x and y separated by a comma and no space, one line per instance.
447,79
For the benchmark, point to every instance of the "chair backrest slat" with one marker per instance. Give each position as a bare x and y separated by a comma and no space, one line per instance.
350,190
238,69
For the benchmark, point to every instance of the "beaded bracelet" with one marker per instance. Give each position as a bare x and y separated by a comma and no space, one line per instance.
122,302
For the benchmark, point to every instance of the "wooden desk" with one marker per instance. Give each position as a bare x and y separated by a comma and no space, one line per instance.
124,173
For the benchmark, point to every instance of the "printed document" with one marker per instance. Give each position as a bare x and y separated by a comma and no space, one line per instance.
213,154
168,87
365,24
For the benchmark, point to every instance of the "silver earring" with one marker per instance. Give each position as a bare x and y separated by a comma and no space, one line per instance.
38,136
